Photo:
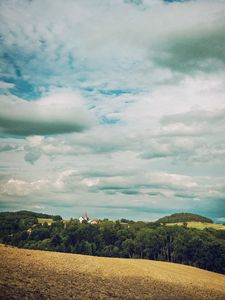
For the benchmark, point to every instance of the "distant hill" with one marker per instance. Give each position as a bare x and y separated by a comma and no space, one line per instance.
25,274
25,214
11,222
184,217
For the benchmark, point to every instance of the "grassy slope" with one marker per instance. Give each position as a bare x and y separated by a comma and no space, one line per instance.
29,274
200,225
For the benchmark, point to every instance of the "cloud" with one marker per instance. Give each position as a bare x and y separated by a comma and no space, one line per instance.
193,137
97,140
8,147
152,39
191,51
22,187
143,183
54,114
168,147
215,117
70,180
17,187
194,123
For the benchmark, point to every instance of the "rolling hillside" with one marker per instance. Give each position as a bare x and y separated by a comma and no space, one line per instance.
29,274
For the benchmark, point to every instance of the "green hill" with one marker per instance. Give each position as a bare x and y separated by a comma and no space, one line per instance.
184,217
25,214
12,222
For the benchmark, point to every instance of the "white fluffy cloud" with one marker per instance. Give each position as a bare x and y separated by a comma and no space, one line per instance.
16,187
59,182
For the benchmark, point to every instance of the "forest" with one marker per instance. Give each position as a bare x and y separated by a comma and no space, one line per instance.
122,238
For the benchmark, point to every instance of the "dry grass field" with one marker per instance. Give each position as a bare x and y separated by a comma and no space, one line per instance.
32,274
45,220
199,225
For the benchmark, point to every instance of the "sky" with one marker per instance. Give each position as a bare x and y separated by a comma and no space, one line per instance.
113,107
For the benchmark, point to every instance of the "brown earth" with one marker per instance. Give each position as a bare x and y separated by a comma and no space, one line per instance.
32,274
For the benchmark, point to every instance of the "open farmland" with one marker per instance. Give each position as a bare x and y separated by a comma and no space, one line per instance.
45,220
32,274
199,225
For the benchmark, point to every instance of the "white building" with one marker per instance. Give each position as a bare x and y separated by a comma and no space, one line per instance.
85,218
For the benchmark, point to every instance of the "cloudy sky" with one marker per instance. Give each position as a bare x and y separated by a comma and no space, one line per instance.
116,107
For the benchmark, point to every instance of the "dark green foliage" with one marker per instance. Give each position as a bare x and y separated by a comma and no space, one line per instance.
39,234
12,222
128,239
184,217
56,218
24,214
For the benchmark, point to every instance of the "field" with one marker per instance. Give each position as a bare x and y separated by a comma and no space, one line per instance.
44,220
32,274
200,225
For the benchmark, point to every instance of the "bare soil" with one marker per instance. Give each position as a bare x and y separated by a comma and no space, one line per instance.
32,274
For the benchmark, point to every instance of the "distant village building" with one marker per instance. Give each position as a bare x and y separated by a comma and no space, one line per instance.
85,218
93,221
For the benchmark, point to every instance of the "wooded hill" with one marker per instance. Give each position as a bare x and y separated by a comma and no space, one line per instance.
12,222
184,217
